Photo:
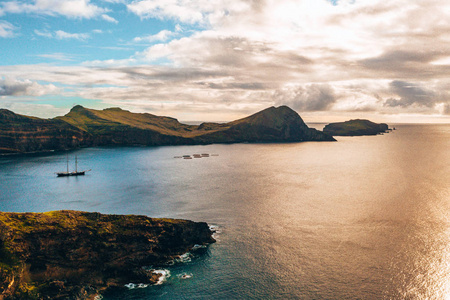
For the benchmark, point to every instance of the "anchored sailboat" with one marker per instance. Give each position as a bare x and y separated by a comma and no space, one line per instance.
74,173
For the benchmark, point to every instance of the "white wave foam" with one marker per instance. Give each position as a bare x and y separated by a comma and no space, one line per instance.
132,286
184,258
197,246
164,275
184,275
215,230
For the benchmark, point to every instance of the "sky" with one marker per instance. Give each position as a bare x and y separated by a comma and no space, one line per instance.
219,60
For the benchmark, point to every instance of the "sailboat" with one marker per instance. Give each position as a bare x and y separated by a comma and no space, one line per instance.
74,173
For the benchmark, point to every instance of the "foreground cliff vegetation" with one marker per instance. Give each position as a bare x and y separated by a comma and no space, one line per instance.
76,255
83,127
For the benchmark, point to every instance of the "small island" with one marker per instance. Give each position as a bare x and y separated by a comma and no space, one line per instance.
355,128
77,255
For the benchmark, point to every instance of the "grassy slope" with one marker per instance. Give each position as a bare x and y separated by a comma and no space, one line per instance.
93,121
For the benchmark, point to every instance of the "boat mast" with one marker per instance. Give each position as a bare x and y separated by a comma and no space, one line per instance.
67,159
76,164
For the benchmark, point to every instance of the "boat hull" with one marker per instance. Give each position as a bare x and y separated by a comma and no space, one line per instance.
65,174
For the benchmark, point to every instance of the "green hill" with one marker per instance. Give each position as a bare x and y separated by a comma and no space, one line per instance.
83,127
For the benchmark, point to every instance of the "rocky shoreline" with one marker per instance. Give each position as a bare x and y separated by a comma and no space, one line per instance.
77,255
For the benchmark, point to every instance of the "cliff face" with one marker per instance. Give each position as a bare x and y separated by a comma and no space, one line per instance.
83,127
74,255
355,128
20,134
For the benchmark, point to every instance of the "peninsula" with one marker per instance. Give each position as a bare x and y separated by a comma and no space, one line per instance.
83,127
355,128
77,255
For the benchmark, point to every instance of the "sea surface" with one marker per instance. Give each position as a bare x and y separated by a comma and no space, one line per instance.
362,218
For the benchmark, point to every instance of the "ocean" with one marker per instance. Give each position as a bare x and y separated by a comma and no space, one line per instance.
361,218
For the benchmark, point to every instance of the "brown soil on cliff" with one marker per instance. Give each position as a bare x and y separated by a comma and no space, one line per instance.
74,255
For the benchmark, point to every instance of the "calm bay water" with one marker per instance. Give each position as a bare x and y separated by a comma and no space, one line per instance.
365,217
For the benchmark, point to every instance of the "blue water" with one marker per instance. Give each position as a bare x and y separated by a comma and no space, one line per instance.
364,217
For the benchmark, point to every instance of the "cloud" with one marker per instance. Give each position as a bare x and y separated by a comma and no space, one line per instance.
116,1
109,19
202,12
446,109
410,94
7,30
43,33
314,97
67,8
162,36
17,87
182,10
62,35
316,56
56,56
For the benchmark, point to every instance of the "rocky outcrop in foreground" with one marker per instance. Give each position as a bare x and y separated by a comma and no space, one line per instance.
83,127
355,128
76,255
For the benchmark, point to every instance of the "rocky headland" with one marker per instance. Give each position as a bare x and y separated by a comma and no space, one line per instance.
355,128
83,127
76,255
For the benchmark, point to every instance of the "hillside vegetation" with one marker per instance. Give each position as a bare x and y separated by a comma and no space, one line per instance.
83,127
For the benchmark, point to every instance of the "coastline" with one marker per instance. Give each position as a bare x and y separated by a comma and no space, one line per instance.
78,254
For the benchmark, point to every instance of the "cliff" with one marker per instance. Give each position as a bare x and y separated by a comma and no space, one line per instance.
83,127
355,128
75,255
21,134
274,124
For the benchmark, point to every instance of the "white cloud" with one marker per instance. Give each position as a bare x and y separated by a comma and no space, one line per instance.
162,36
57,56
62,35
43,33
183,10
109,19
116,1
68,8
7,29
16,87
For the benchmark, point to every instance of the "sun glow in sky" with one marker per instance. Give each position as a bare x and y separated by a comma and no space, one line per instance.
220,60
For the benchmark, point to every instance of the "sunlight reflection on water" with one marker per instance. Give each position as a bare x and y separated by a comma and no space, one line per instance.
366,217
